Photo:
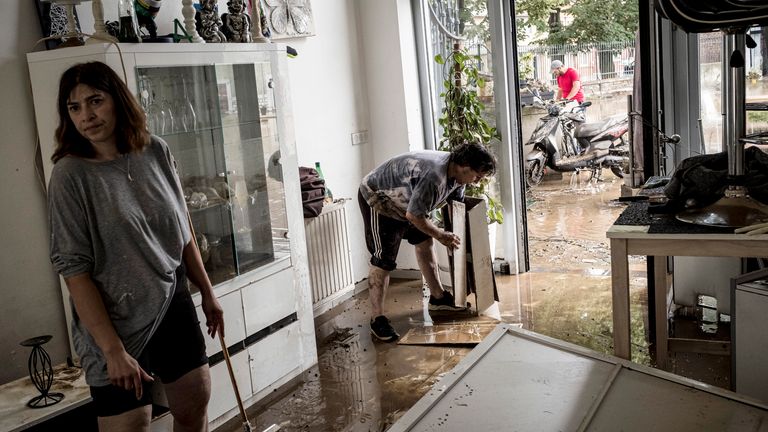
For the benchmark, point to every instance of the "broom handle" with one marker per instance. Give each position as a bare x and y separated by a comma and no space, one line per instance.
246,424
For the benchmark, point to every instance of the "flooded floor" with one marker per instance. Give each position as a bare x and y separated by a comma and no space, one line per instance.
361,385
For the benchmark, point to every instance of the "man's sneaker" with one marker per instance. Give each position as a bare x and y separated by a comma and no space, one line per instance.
383,330
444,303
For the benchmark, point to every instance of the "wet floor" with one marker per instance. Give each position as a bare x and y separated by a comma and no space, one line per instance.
361,385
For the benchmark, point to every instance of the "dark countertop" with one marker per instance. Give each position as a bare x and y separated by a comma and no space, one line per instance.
637,214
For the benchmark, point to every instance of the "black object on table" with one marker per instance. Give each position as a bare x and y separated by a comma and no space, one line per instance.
640,213
41,373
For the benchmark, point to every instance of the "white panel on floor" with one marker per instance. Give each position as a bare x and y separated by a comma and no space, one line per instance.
640,402
517,380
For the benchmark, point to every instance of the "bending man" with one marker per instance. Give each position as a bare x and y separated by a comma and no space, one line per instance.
396,199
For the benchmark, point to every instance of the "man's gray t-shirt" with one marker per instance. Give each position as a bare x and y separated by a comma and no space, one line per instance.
127,234
415,182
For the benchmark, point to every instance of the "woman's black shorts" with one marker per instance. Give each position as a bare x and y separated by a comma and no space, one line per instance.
176,348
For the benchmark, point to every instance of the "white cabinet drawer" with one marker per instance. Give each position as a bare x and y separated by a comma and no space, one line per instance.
234,329
269,300
275,356
222,395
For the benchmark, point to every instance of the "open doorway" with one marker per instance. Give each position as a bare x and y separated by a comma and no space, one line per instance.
573,185
557,228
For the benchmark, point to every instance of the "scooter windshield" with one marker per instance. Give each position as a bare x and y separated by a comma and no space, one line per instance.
546,126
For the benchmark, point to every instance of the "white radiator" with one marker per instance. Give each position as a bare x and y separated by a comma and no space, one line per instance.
329,256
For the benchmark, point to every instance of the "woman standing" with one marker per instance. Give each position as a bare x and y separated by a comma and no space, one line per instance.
121,239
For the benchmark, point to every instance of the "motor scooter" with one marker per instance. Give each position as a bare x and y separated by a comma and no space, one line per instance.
563,141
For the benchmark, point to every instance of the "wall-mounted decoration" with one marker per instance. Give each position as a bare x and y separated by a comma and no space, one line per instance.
289,18
53,21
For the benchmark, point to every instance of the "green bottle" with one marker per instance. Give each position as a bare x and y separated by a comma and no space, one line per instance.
328,193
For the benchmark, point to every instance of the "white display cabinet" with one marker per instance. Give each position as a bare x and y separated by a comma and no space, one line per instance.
224,110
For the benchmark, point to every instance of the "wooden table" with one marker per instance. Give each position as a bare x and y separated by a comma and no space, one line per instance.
635,240
16,416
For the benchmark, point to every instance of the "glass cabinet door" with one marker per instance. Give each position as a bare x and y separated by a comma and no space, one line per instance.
220,123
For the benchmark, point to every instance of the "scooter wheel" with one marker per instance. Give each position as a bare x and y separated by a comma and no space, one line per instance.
534,172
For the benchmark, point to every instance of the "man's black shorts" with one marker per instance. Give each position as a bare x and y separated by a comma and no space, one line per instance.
384,234
177,347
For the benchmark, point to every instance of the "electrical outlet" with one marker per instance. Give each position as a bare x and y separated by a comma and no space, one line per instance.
359,137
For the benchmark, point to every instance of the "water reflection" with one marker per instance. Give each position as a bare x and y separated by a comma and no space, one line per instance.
568,292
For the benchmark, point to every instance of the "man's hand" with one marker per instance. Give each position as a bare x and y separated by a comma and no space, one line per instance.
449,240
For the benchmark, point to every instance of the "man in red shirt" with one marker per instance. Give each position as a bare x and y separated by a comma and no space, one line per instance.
568,82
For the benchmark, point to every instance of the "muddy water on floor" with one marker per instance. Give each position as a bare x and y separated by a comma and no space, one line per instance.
361,385
567,293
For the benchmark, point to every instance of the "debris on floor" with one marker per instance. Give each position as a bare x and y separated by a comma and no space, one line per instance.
459,333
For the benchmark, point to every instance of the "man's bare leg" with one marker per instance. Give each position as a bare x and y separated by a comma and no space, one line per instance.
427,259
378,281
381,328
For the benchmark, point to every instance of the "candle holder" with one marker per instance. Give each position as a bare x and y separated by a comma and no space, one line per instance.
72,36
100,34
41,373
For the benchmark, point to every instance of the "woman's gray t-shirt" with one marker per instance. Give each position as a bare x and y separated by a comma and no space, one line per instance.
415,182
127,234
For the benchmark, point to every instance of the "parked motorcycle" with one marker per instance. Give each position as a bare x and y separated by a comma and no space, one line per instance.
563,141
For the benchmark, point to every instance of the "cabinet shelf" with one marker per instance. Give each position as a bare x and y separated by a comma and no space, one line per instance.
217,129
194,210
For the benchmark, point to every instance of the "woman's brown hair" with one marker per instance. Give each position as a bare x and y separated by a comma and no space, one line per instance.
131,124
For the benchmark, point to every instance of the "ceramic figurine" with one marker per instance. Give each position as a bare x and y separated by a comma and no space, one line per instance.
207,22
236,24
146,11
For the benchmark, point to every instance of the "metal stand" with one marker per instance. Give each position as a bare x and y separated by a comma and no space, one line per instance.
41,373
72,36
736,209
100,34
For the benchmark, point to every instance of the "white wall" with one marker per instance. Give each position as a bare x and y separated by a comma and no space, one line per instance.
393,86
357,74
31,300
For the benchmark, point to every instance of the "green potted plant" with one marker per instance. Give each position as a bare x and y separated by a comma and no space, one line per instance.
753,76
463,118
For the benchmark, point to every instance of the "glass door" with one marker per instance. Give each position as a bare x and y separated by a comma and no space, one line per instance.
220,124
481,28
251,151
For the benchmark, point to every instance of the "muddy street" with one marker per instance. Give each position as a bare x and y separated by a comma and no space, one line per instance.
567,220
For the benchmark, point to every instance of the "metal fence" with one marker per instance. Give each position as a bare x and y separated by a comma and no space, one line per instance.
593,62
